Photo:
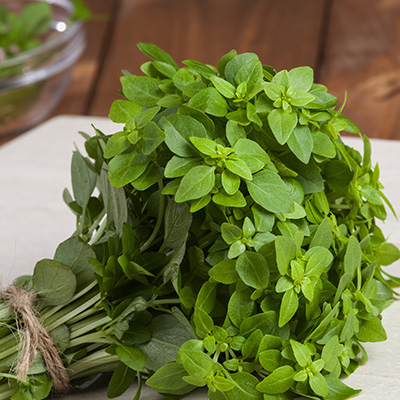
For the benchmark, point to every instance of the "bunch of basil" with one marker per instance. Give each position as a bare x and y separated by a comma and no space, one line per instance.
232,240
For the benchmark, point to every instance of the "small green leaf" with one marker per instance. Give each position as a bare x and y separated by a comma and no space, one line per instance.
238,167
123,111
236,249
318,385
198,182
121,379
224,87
224,272
224,60
178,220
300,98
154,52
323,236
265,321
153,136
206,297
301,78
204,145
168,334
289,306
270,359
272,90
230,182
125,168
168,379
301,353
132,357
233,66
117,144
279,381
54,282
202,322
83,179
337,390
230,233
319,260
235,200
240,306
269,191
323,145
253,270
178,130
301,143
251,73
234,132
387,253
251,153
372,331
142,90
337,174
210,101
178,166
353,255
196,363
281,78
282,124
308,176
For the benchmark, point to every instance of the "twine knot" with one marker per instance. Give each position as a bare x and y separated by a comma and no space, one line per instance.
35,338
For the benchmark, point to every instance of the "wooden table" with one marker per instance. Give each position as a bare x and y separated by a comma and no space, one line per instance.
353,45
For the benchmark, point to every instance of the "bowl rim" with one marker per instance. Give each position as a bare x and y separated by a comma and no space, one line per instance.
71,31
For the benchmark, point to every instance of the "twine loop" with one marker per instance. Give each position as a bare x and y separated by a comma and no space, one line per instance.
35,337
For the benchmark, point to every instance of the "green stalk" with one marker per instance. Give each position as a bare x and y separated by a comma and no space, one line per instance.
49,311
88,325
160,219
70,312
90,362
95,337
99,233
96,223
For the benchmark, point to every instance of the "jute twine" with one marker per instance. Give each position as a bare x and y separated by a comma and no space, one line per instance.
35,338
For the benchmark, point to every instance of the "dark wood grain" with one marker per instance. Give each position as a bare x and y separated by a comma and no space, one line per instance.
84,78
284,34
362,57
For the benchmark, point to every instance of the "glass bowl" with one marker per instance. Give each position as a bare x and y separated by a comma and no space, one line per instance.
33,83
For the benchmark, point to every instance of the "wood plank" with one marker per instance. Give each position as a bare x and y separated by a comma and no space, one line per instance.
362,57
284,34
84,78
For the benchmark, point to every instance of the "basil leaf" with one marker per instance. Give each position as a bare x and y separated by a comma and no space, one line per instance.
178,130
197,183
301,78
210,101
269,191
168,379
125,168
279,381
143,90
282,124
54,282
253,269
301,143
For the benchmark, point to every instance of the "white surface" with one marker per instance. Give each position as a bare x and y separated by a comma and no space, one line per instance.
35,169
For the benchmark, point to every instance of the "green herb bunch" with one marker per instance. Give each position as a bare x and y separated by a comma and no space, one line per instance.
28,29
264,222
233,235
21,32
